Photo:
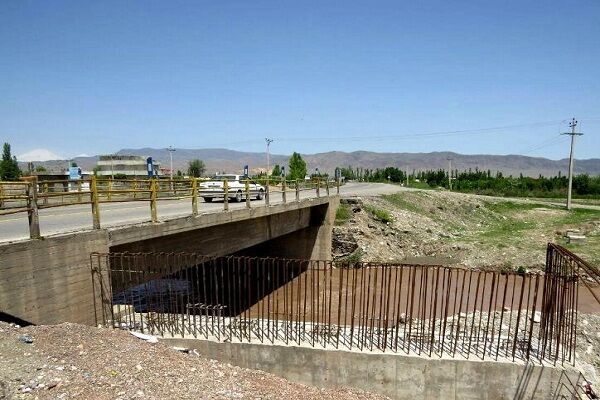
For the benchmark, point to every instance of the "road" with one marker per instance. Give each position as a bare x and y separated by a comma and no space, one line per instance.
79,217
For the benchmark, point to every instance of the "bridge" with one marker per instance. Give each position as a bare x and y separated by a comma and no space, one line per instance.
46,279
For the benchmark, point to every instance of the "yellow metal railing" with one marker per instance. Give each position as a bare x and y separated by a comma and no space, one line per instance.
30,195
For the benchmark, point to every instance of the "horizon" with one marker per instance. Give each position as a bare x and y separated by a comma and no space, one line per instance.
153,149
488,79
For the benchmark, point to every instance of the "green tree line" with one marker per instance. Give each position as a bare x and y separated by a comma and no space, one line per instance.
482,182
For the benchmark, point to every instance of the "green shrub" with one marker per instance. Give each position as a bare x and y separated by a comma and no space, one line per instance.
379,214
342,214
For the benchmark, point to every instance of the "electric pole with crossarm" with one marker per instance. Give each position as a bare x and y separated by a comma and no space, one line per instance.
572,125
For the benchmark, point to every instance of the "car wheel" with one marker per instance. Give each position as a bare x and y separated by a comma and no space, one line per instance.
208,199
238,196
260,195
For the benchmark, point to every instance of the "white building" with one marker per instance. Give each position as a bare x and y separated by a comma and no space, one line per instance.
131,166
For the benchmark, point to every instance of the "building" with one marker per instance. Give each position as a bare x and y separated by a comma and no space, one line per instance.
130,166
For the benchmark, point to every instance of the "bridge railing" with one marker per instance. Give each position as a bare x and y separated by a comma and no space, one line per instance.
431,310
30,195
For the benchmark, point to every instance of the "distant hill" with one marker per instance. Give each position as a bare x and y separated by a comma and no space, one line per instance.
232,161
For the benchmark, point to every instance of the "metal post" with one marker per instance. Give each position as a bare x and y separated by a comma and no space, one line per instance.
283,188
110,181
135,187
32,209
337,186
79,190
225,195
194,196
153,196
45,190
327,187
297,191
267,193
95,202
247,189
318,187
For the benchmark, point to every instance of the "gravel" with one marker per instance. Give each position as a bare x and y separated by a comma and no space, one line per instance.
70,361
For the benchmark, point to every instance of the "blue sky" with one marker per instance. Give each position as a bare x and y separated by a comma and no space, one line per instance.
94,77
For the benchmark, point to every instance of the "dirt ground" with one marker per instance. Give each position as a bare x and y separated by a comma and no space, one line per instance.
442,227
70,361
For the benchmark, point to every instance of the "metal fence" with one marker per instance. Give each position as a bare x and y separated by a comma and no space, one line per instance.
30,195
432,310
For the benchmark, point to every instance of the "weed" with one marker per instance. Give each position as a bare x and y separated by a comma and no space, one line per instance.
379,214
352,258
342,214
400,201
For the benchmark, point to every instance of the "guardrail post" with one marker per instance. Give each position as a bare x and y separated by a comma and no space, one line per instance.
225,195
247,189
318,188
32,209
297,191
327,187
110,182
194,196
267,193
95,199
79,191
45,191
153,195
135,187
337,185
283,194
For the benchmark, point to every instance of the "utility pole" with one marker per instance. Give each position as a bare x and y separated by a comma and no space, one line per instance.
450,173
170,149
268,141
572,125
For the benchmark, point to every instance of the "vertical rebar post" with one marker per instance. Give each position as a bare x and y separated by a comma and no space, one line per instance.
297,191
283,189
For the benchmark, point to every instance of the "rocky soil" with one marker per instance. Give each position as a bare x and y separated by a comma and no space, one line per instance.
70,361
452,228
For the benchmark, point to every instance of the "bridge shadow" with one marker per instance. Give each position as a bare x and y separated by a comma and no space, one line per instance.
214,286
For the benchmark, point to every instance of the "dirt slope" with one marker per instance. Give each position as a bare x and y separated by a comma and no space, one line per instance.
70,361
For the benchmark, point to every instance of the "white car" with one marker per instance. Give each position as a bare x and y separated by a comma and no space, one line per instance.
236,184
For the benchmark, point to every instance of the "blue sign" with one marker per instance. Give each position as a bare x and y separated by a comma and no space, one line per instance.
246,171
150,167
74,173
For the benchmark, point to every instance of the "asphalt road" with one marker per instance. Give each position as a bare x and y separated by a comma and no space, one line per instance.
79,217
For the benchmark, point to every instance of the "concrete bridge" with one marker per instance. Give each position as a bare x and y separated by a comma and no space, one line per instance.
48,280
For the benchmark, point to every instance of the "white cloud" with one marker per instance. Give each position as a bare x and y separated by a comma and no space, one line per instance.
39,155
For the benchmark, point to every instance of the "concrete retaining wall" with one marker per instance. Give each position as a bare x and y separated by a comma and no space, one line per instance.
49,281
394,375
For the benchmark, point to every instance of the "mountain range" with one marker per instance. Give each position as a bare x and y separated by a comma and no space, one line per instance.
234,161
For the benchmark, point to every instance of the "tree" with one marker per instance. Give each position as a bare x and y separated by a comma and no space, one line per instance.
9,167
276,170
40,168
297,167
196,168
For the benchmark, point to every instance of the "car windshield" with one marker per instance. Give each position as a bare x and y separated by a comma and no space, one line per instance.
224,177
